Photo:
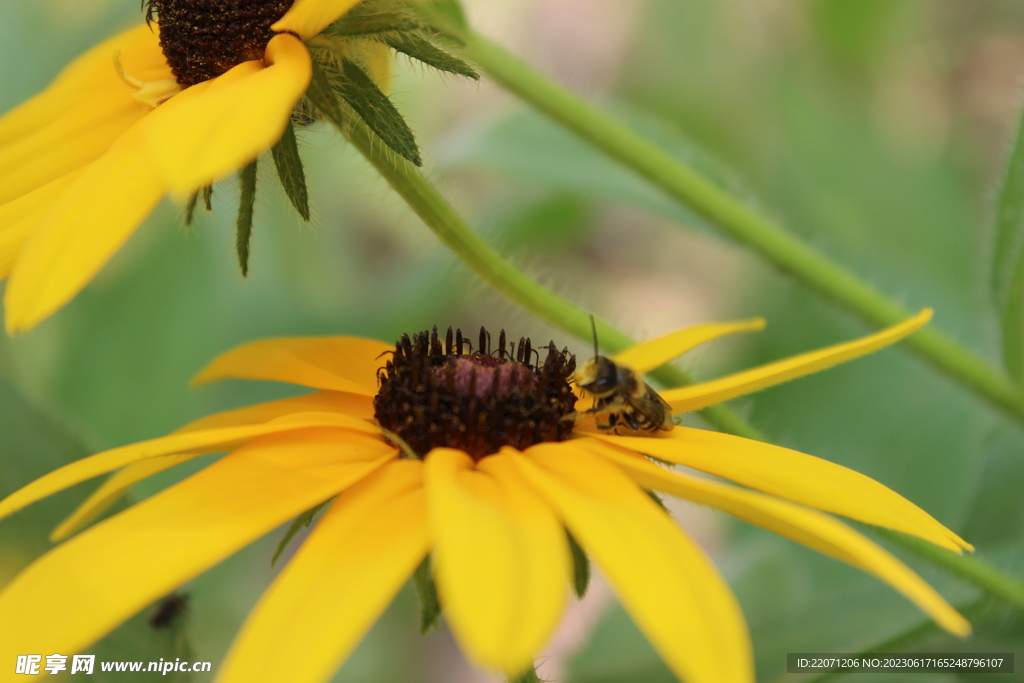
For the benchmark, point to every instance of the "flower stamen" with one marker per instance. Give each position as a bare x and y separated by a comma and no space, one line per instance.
434,395
202,39
153,93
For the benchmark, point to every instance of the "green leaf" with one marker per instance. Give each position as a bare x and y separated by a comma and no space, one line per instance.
424,51
430,606
289,170
354,24
374,107
300,523
580,567
444,15
193,202
246,207
657,499
528,676
1008,259
190,208
321,95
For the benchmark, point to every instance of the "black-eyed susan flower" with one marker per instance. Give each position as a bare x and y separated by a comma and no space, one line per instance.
470,455
196,93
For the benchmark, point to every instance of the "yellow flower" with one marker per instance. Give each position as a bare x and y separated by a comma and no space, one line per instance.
172,106
487,476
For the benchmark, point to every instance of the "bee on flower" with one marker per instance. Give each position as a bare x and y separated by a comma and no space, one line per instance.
463,455
192,95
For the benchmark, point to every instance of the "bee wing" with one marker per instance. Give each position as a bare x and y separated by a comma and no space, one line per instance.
656,410
654,396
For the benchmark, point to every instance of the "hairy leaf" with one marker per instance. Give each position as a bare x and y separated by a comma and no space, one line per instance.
424,51
190,208
580,567
321,95
246,207
289,170
297,525
374,107
447,16
430,606
354,24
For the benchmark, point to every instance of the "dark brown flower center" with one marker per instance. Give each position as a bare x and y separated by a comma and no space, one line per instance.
202,39
432,394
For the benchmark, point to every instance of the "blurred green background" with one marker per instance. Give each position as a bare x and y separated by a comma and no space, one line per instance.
876,129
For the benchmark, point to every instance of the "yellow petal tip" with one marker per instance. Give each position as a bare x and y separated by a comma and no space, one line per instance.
959,627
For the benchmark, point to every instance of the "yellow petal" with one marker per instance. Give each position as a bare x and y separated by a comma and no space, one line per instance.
322,401
340,363
307,18
140,55
353,405
19,218
196,442
807,527
111,490
341,579
87,224
83,133
794,476
80,590
500,558
664,581
234,120
654,353
377,60
697,396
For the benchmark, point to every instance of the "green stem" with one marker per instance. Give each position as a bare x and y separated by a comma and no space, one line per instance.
688,187
451,229
902,642
966,567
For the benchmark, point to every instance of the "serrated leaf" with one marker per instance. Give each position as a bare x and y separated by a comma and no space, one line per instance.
321,95
289,170
1008,259
353,24
377,111
297,525
430,606
424,51
246,208
580,567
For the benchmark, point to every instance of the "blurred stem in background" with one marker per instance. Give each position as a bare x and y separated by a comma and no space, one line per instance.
688,187
453,231
911,637
967,567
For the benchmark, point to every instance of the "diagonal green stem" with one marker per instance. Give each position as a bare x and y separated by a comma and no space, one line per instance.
902,642
688,187
451,229
966,567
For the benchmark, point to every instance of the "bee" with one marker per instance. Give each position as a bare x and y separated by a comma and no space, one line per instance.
620,395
